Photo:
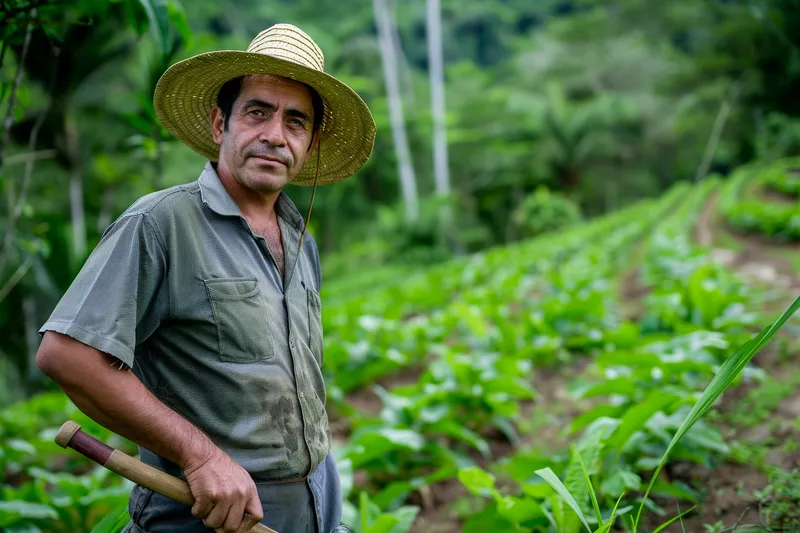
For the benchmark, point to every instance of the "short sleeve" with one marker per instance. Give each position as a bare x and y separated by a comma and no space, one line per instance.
119,297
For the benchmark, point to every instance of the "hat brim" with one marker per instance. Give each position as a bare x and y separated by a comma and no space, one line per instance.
187,92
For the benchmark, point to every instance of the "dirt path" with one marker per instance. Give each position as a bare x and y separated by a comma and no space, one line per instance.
754,259
731,487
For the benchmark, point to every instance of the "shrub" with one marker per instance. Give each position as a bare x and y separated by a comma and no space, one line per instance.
544,211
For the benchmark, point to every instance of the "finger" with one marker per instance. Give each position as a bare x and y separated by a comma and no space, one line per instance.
254,508
248,522
235,516
216,517
202,506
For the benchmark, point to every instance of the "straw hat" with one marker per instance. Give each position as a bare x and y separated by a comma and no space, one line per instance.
187,92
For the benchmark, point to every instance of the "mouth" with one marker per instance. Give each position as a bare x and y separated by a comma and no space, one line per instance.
270,160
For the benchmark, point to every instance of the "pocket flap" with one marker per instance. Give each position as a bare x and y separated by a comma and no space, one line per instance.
232,288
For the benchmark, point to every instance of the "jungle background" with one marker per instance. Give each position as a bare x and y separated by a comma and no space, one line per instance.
499,121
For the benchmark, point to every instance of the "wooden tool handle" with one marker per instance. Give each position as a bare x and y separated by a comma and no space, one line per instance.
71,436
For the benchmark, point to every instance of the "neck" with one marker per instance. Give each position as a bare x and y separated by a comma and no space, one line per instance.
254,205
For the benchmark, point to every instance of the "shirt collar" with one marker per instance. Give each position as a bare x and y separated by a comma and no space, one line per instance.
214,194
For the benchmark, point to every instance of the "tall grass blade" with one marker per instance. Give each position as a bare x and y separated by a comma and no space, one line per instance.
549,476
589,485
671,520
727,373
114,521
607,526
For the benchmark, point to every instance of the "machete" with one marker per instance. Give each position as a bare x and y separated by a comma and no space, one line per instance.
72,436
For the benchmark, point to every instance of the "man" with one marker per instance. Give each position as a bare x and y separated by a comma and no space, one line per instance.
206,296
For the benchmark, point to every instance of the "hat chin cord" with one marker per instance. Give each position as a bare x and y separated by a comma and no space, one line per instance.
313,194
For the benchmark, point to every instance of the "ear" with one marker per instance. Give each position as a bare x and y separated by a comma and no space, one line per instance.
314,144
217,124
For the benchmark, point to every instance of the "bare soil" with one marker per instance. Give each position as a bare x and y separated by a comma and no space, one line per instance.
632,292
729,498
770,195
730,488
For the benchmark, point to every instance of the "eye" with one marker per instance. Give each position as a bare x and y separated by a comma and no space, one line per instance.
255,112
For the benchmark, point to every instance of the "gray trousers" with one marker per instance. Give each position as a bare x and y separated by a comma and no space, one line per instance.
310,506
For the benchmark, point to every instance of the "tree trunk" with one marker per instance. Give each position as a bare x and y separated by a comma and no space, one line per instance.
75,188
104,217
77,212
435,62
568,177
31,336
405,168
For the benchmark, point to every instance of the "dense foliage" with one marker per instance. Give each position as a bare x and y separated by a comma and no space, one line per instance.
585,138
604,101
477,329
749,211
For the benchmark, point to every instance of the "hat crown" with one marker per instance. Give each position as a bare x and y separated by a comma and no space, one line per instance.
288,42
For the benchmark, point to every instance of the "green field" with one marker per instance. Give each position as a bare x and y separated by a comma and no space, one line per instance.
461,395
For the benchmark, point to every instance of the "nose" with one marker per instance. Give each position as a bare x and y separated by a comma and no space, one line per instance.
272,131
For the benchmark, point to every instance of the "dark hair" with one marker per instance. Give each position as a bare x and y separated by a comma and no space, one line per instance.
229,92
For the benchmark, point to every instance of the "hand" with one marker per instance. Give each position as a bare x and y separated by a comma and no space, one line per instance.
225,494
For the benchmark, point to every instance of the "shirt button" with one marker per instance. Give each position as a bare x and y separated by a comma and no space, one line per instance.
301,394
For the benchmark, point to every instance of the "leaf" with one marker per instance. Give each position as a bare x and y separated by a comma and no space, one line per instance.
637,416
22,446
727,373
552,480
602,410
478,481
405,437
109,495
618,386
14,510
621,481
177,16
114,521
674,491
627,359
159,17
152,17
489,519
456,430
471,318
25,527
404,517
376,443
396,493
519,509
671,520
589,486
384,524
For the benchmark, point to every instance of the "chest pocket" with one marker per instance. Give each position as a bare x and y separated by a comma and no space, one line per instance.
241,318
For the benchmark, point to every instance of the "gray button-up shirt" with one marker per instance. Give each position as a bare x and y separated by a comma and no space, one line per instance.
185,293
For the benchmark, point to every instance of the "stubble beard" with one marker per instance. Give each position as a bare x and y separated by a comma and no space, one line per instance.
251,177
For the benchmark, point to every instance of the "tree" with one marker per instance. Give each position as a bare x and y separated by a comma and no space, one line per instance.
405,166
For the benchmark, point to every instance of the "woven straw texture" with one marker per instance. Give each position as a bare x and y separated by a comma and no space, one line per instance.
187,92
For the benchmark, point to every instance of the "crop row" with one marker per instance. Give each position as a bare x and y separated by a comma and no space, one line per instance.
746,211
475,328
495,334
367,336
694,315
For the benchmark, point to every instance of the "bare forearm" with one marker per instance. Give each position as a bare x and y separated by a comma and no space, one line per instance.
117,400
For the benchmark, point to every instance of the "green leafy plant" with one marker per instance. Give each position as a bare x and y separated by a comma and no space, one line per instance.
544,210
779,500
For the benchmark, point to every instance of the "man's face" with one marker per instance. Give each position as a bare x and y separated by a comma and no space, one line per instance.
269,133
